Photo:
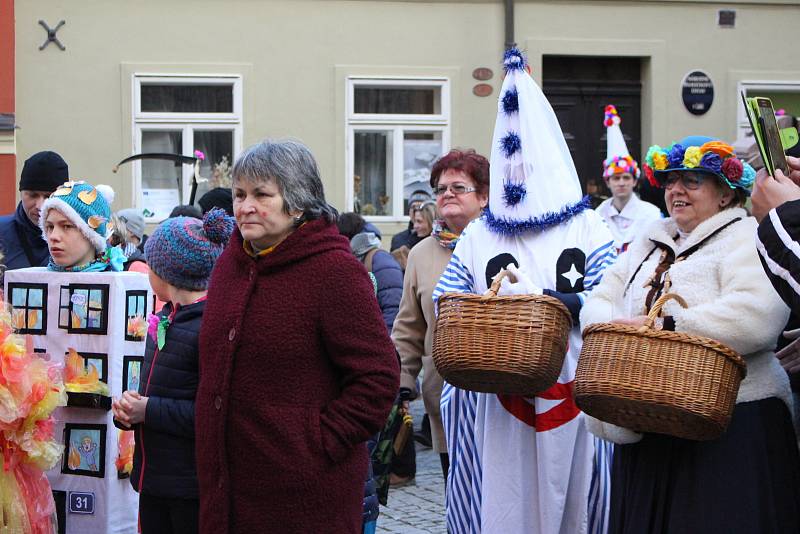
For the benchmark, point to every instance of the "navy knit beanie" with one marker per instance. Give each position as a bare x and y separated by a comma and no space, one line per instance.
182,250
44,171
219,197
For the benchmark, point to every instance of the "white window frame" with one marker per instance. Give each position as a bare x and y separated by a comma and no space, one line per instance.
187,123
397,124
749,86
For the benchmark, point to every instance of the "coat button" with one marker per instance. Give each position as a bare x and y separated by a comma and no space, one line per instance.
231,334
218,402
252,273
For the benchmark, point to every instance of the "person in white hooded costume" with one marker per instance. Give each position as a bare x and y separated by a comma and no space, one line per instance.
625,213
525,464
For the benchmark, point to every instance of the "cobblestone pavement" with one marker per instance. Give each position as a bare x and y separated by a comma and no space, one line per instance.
418,507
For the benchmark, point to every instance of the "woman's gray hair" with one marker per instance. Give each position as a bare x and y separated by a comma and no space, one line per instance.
293,168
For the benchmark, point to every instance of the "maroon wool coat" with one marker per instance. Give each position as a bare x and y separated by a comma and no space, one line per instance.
296,372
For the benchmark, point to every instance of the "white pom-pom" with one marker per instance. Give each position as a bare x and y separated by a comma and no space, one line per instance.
107,192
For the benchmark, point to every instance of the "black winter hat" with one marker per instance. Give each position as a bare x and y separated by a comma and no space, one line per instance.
219,197
44,171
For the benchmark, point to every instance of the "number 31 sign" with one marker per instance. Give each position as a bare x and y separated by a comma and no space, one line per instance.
81,503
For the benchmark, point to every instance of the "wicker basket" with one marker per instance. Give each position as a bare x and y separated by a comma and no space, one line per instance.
509,344
658,381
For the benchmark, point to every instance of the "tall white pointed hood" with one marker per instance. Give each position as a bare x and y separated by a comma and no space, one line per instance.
533,182
618,159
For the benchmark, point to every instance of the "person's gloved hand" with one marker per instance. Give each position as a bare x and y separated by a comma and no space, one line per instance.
613,433
523,285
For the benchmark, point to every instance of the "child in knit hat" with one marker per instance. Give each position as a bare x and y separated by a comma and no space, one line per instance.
181,254
75,222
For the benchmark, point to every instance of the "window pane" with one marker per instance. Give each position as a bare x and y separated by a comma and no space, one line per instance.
187,98
35,319
788,101
161,178
19,297
78,317
217,146
420,152
395,100
35,297
94,319
373,173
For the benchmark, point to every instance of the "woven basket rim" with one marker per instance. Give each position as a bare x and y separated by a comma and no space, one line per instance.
542,299
670,335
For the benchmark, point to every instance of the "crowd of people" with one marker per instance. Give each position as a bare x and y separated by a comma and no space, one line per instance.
289,341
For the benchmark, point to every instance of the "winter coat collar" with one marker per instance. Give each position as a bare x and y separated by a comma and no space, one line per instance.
665,231
629,211
312,238
184,313
25,224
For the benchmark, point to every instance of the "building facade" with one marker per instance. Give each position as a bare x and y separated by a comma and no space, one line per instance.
377,89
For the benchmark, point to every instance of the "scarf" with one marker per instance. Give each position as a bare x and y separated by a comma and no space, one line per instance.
129,249
112,259
443,235
363,243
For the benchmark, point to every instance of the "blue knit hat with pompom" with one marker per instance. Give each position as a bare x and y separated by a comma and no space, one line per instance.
87,206
182,250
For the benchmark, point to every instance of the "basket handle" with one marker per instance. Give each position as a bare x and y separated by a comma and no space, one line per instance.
656,309
498,278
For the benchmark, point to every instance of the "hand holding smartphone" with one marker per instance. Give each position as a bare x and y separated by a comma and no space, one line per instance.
761,115
772,136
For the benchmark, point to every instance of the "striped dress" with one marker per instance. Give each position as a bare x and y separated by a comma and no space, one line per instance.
526,464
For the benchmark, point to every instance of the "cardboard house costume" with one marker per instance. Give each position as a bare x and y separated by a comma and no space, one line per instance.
91,320
637,214
102,317
525,464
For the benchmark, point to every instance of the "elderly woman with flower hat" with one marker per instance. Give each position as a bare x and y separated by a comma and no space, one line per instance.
748,480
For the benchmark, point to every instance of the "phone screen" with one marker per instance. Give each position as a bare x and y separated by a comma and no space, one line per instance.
772,136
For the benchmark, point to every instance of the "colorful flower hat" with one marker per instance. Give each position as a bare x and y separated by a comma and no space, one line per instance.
88,207
618,159
699,154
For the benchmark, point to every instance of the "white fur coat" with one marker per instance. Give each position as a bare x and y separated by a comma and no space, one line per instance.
730,298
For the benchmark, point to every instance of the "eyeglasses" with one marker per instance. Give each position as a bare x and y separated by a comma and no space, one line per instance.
456,189
689,181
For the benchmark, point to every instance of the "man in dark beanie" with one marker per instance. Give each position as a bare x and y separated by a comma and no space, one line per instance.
20,236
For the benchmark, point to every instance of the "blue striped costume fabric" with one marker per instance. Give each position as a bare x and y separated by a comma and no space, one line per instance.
520,464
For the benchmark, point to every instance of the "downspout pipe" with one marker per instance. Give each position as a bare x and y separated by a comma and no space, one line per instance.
509,10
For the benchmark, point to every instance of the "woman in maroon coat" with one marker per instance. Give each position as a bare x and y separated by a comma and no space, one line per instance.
296,367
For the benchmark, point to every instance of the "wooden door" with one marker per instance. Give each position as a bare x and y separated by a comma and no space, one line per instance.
579,88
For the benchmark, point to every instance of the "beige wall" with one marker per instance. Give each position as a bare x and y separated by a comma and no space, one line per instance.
294,57
675,38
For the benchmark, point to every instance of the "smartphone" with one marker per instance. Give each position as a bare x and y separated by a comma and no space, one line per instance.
772,137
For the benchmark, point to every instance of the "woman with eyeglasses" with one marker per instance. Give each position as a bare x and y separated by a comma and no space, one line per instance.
460,181
748,480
